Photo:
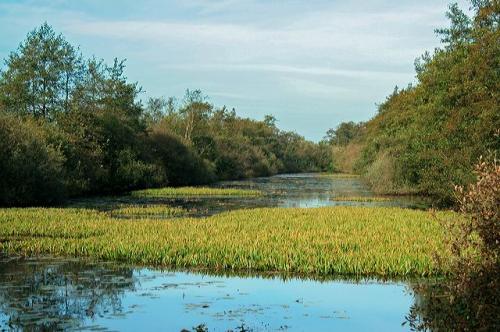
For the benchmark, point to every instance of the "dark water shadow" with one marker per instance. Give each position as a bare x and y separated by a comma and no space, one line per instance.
58,294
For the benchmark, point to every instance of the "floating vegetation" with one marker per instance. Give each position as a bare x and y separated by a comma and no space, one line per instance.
194,191
361,199
148,211
322,241
339,175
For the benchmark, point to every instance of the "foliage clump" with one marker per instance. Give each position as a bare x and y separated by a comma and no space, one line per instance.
387,242
31,167
71,126
427,137
469,300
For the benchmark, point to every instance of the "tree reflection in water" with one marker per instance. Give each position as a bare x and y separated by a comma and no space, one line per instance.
452,306
49,294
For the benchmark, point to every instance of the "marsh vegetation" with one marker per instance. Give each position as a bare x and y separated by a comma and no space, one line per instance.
92,176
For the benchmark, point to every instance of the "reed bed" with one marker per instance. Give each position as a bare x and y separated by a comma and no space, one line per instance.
361,199
358,241
339,175
148,211
195,192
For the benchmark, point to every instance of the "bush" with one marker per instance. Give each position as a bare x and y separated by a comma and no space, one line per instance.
181,166
134,173
344,157
469,300
31,168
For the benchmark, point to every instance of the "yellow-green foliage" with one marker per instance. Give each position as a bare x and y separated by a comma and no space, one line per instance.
361,199
344,157
323,241
148,211
194,191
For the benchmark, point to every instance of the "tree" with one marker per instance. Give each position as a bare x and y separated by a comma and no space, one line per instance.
31,167
41,75
155,109
270,120
344,133
459,33
195,110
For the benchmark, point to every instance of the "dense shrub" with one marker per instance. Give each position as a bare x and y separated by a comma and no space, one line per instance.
31,169
468,300
180,165
427,137
90,134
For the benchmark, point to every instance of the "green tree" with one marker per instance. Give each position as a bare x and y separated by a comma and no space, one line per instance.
31,167
41,75
196,110
344,133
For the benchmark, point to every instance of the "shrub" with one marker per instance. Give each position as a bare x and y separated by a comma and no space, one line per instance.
469,301
134,173
31,168
180,164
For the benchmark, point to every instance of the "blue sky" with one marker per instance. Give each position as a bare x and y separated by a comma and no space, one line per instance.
312,64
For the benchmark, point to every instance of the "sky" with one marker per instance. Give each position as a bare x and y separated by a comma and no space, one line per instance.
312,64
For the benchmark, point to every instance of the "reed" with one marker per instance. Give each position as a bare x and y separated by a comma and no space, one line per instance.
323,241
148,211
361,199
194,192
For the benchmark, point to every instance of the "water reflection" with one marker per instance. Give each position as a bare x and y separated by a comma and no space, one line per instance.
450,305
54,294
47,294
288,190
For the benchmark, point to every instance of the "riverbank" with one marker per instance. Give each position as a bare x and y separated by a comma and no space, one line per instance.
360,241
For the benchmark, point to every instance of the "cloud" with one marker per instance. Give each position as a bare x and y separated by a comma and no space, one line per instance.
240,43
284,69
333,56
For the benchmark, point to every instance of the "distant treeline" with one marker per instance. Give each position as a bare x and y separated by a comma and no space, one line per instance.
428,137
71,126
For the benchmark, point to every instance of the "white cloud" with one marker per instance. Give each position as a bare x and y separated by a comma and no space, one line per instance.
284,69
252,54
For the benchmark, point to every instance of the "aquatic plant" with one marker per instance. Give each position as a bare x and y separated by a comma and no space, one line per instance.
339,175
194,191
361,199
148,211
322,241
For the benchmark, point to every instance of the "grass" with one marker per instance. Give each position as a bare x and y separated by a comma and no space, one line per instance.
361,199
194,192
148,211
323,241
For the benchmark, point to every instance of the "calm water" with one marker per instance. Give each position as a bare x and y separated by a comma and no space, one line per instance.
53,294
313,190
288,190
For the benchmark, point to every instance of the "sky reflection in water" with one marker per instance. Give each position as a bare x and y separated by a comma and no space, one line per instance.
74,294
55,294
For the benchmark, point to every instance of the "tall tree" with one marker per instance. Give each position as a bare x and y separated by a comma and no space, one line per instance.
195,109
41,75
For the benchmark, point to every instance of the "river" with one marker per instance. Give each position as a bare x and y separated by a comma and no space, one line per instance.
46,293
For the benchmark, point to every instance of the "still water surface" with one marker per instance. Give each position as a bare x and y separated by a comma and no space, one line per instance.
74,294
288,190
56,294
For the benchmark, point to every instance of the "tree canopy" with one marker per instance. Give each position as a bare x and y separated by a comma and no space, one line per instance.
75,126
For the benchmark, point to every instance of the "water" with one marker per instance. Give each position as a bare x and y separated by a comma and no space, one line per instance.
309,190
71,294
288,190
